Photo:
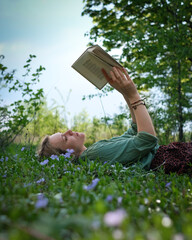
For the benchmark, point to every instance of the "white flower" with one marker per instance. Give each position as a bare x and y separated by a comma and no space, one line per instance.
166,221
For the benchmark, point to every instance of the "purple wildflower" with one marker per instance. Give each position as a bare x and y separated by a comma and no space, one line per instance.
41,180
92,185
67,155
27,184
114,218
109,198
44,162
42,201
53,157
4,158
22,149
147,190
70,150
52,166
105,162
168,184
119,200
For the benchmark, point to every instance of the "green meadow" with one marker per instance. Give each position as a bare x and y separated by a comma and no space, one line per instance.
57,198
60,199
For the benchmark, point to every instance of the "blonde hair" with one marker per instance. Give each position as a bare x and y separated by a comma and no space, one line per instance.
46,149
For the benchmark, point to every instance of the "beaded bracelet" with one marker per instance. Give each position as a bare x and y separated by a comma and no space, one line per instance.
136,105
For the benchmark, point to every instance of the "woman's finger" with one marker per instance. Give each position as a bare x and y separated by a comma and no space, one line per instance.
126,74
113,76
116,73
106,75
121,75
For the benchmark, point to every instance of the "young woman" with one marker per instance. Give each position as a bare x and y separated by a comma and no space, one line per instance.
138,144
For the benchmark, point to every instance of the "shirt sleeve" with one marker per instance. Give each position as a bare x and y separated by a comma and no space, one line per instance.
132,130
127,149
140,148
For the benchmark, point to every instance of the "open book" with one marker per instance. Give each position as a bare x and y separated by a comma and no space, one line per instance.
90,63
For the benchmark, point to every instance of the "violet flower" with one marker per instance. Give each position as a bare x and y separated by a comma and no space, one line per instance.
53,157
42,201
168,184
68,153
44,162
27,184
22,149
114,218
119,200
92,185
70,150
109,198
41,180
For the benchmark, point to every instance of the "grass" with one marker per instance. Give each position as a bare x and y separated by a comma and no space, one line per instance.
89,200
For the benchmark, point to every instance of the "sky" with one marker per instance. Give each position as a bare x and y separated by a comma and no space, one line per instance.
54,31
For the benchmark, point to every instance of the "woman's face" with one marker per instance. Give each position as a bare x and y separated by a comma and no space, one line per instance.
68,140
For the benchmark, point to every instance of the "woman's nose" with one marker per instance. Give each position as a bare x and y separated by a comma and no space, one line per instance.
69,132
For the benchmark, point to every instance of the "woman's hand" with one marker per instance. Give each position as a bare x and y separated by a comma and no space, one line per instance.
121,81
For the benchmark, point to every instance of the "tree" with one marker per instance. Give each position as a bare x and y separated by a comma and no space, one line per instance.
47,121
156,42
17,115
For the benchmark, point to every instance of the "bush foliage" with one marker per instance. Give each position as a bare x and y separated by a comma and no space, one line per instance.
15,116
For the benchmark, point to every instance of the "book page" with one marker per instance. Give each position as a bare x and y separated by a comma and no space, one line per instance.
93,68
90,67
98,51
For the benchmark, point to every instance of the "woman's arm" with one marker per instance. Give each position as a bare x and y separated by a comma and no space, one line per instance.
130,108
121,81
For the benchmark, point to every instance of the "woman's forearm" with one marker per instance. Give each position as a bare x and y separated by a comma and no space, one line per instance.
143,119
130,108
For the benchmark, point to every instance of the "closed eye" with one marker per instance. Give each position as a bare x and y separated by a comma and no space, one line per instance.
64,137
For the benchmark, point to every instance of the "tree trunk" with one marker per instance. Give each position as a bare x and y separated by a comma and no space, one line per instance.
180,109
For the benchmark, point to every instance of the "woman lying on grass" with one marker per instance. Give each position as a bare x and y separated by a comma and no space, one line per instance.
138,144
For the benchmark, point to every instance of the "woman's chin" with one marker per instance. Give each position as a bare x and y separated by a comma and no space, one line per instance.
82,135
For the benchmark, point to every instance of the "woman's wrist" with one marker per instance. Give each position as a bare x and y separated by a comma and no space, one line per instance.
134,99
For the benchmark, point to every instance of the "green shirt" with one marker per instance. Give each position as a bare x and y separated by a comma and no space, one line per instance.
127,149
